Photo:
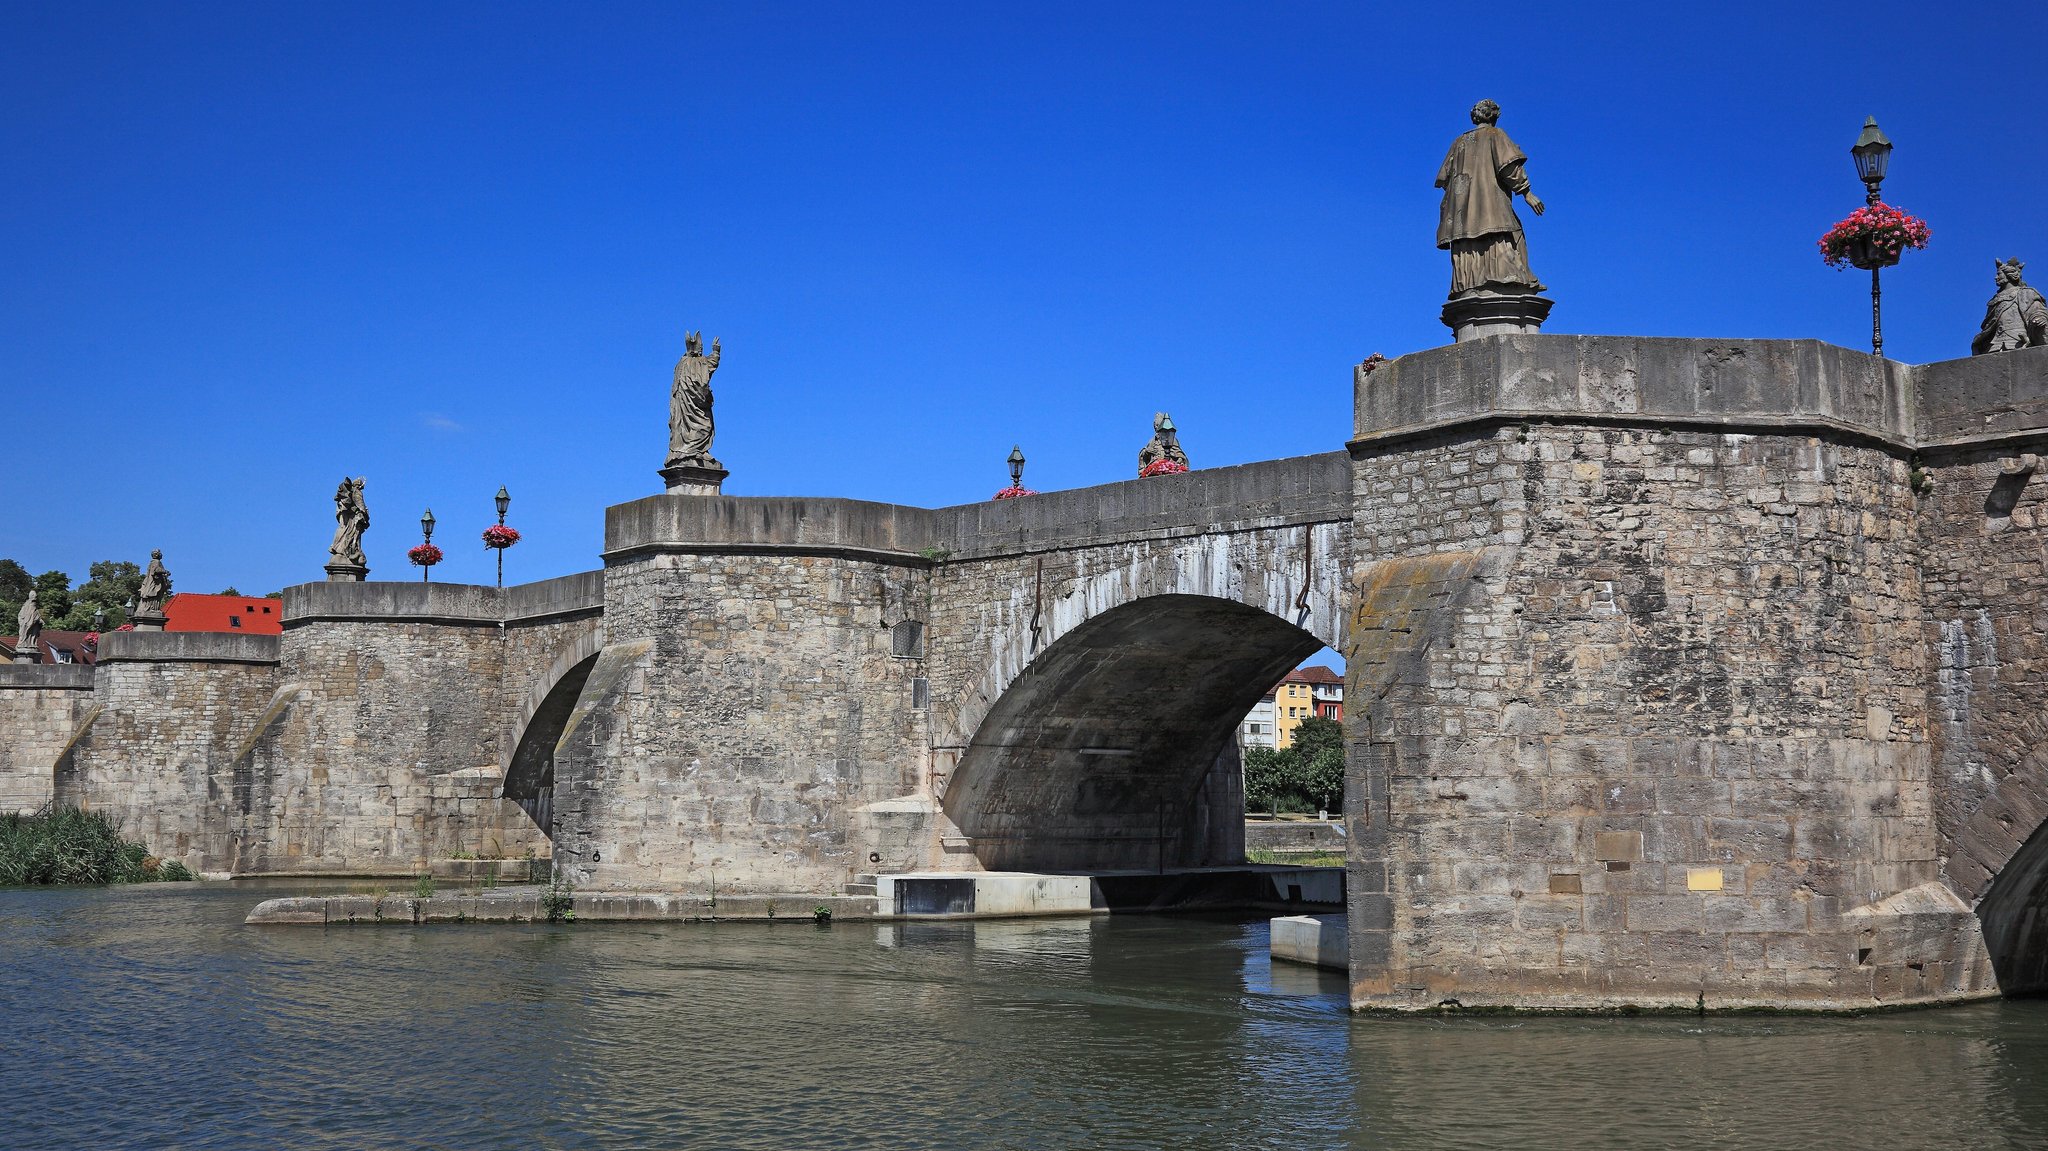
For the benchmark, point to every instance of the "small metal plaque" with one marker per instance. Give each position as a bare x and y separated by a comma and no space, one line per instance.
1703,879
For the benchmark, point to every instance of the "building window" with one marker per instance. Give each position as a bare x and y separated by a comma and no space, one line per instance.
234,621
906,640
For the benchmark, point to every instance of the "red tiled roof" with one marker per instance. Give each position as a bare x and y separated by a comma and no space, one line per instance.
1316,674
51,641
190,611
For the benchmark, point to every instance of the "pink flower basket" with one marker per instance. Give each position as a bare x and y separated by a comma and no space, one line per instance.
1163,467
500,537
1013,492
1873,237
425,555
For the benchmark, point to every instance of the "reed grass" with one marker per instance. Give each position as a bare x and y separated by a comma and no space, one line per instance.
70,846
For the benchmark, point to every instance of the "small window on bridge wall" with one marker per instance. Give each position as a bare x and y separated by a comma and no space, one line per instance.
906,640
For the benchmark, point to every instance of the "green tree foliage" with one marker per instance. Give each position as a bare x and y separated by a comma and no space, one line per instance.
53,596
64,608
113,584
1306,776
1268,778
14,583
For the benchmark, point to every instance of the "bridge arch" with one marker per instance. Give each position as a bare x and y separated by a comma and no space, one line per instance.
529,757
1293,573
1115,746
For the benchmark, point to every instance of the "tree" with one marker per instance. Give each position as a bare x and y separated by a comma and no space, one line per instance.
1269,777
14,585
53,597
112,584
1319,748
14,582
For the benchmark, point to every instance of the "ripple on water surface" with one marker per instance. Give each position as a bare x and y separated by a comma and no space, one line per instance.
152,1017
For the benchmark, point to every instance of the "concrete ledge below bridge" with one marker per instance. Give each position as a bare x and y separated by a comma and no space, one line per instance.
523,905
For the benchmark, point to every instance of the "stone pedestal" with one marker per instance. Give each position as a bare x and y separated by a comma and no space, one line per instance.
148,621
25,653
1475,315
703,479
347,573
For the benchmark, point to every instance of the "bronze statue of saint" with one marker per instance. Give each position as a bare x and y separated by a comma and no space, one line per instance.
2016,318
351,520
1480,177
155,587
1164,444
689,405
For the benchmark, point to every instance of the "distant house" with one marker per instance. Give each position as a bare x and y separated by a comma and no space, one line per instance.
256,615
57,647
1257,728
1305,692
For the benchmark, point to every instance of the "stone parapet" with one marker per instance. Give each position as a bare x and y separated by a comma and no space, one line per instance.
1983,398
1273,493
728,525
45,677
444,603
189,647
1736,385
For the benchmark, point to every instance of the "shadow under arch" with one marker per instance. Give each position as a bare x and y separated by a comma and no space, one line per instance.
530,773
2014,915
1115,747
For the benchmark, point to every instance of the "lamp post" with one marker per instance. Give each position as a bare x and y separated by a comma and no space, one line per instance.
1016,466
1873,153
504,502
426,537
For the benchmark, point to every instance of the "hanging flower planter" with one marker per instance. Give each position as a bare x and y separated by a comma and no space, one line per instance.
500,537
425,555
1163,467
1013,492
1873,237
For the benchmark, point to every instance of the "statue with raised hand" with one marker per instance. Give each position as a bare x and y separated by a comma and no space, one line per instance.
690,426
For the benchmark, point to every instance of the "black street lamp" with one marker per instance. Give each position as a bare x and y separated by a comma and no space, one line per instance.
1873,154
426,538
1016,466
504,502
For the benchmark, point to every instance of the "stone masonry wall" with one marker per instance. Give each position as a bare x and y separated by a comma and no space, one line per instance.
157,749
1666,743
382,751
40,706
745,708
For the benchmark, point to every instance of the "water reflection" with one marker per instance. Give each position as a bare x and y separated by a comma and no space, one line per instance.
154,1018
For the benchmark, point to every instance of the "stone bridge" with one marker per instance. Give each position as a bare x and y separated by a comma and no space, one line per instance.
1677,670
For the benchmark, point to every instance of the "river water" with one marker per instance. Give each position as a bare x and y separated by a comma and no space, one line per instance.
151,1017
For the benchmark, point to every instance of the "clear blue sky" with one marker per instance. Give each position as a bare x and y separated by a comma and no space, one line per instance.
245,249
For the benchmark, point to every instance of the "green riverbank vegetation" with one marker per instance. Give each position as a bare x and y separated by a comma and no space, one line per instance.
69,846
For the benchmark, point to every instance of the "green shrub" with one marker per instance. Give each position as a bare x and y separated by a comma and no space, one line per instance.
70,846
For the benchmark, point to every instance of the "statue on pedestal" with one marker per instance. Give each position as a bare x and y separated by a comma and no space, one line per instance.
689,405
28,627
1164,445
351,519
1492,288
2017,317
691,469
151,594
